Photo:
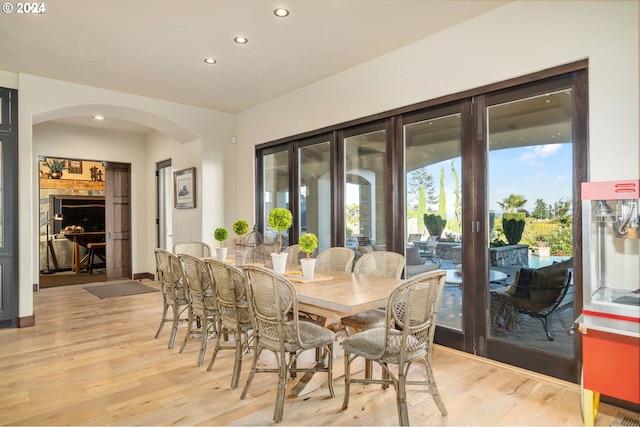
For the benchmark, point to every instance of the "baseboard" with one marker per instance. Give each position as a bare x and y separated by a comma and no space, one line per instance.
26,322
36,287
140,276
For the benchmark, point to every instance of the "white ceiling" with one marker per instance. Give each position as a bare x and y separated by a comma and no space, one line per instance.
156,48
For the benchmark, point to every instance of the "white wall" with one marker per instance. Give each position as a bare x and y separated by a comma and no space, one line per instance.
185,132
513,40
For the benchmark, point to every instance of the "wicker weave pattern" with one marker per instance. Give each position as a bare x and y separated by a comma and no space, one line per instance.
407,336
233,313
201,297
173,292
196,249
294,254
274,308
381,264
335,259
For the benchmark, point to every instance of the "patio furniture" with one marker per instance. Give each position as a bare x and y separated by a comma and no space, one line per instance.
538,293
406,337
273,303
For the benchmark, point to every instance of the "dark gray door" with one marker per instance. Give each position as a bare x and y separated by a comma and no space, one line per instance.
8,207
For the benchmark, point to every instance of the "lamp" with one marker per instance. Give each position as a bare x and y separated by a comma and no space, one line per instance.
56,217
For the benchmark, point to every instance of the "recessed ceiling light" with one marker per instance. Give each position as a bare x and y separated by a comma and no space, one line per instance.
281,12
210,60
98,117
241,40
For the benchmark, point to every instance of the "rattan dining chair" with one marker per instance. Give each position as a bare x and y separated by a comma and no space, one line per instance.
173,292
294,255
335,259
196,249
273,302
202,302
233,313
380,264
406,337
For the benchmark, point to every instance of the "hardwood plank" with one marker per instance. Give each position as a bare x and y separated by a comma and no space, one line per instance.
89,361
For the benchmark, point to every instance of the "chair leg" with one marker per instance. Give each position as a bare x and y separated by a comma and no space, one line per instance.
256,353
330,369
401,397
174,326
282,385
189,328
237,367
434,389
546,324
164,319
216,348
347,380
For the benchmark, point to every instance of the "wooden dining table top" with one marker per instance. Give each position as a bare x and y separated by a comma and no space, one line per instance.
344,294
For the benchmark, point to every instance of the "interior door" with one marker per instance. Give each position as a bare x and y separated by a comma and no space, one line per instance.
118,220
8,208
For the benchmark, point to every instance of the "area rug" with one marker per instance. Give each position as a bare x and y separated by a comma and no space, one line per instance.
120,289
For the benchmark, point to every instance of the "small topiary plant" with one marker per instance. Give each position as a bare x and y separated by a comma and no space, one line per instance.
308,243
221,234
240,227
280,219
435,224
513,226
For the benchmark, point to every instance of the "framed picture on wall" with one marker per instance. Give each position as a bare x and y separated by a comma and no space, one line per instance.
75,166
184,188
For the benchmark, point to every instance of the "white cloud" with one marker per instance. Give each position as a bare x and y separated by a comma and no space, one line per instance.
540,151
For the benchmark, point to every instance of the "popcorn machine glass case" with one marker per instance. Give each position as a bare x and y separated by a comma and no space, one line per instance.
611,244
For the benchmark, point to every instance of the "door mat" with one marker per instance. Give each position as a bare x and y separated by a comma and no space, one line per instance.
120,289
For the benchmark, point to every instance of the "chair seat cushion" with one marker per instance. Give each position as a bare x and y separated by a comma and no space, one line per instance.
370,344
311,336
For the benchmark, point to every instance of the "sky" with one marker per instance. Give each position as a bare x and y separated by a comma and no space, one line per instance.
535,172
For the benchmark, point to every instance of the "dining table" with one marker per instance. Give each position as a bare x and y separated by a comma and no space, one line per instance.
82,239
333,295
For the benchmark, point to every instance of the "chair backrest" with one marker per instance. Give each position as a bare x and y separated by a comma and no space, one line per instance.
274,307
381,264
294,254
335,259
430,245
170,275
230,292
412,311
200,289
414,238
363,241
196,249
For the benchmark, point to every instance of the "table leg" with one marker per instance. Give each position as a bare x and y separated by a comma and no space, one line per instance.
75,262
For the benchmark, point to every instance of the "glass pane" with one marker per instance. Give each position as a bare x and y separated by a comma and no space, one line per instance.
530,219
276,189
366,187
434,188
315,192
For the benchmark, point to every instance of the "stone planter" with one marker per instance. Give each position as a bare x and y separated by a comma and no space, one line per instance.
279,262
221,254
308,267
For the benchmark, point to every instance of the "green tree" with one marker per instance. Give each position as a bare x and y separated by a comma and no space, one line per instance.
442,199
513,203
352,219
457,205
420,188
540,211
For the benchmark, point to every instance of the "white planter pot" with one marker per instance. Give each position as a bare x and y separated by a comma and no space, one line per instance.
221,254
241,258
279,262
308,267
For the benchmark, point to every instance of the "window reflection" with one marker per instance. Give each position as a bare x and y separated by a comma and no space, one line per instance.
365,187
276,189
314,206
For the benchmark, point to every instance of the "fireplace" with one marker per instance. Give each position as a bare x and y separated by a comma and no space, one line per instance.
86,211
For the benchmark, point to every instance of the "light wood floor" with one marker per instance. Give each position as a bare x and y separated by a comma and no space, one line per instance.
89,361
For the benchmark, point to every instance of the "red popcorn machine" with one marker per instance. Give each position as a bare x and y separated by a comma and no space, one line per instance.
610,320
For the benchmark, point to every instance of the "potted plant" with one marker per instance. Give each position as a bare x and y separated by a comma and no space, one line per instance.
221,234
55,168
279,219
240,227
308,243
